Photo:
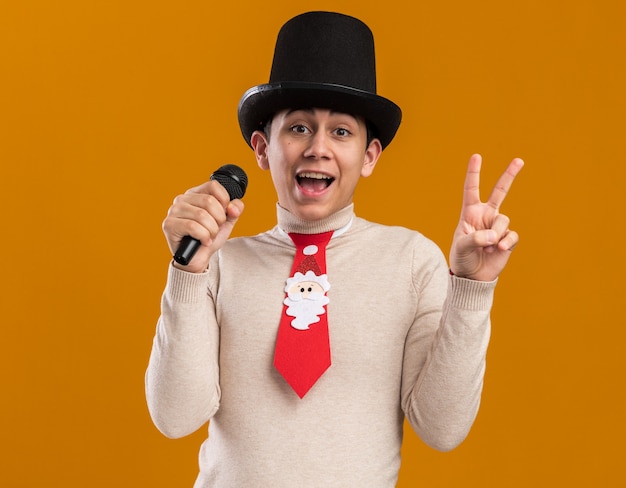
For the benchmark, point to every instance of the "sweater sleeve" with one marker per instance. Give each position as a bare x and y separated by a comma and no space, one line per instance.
444,362
182,378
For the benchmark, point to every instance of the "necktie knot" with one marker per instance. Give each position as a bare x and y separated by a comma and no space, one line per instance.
310,252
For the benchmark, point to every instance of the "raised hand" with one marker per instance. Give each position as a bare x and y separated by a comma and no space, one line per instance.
483,242
205,213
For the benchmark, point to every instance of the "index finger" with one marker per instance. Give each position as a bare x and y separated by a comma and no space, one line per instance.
471,188
213,188
504,183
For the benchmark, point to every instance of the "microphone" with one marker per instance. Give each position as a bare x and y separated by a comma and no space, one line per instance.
235,180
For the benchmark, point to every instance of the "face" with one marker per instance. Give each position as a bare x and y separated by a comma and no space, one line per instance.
316,158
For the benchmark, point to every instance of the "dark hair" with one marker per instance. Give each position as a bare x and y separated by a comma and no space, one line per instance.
369,127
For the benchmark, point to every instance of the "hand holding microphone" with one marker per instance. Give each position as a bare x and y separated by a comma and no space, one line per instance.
204,214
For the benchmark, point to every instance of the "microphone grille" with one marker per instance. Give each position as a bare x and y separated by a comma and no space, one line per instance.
233,178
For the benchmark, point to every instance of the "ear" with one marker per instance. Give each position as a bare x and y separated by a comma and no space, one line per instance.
372,153
259,144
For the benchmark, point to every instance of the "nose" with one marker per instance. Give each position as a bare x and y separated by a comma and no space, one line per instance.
319,147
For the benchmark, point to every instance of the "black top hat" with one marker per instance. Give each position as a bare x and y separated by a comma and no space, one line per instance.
322,60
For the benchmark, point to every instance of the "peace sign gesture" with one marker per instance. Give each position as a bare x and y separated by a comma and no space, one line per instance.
482,241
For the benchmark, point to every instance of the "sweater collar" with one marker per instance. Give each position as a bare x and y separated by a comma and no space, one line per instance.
338,222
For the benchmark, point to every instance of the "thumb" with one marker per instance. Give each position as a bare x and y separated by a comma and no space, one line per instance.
477,239
233,212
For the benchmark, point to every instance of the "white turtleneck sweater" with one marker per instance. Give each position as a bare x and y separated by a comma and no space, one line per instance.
407,339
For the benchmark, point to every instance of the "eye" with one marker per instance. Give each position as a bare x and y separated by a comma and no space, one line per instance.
310,289
301,290
342,132
299,129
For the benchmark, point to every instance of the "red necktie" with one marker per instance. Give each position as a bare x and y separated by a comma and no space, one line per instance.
302,346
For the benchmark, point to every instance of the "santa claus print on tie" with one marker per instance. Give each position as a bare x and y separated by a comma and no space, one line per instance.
306,298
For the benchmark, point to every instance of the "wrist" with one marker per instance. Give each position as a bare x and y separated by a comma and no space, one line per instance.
188,268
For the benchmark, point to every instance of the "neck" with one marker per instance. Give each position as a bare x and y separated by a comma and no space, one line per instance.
290,223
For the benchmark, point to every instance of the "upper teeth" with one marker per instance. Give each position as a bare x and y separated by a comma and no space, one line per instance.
317,176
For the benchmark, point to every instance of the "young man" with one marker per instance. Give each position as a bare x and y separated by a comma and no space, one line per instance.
306,376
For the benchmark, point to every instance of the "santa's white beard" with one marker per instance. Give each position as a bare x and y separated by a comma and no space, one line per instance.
305,310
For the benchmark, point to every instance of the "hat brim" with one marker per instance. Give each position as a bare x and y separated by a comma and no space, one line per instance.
261,102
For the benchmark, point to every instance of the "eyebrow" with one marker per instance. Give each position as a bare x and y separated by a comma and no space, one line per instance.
292,110
311,111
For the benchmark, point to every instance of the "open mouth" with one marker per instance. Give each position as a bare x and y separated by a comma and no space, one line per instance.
313,182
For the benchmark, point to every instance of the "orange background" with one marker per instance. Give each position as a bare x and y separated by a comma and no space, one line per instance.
108,109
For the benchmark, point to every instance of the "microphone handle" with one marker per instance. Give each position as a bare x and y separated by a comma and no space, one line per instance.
186,250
